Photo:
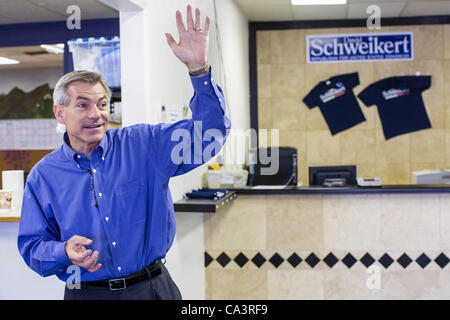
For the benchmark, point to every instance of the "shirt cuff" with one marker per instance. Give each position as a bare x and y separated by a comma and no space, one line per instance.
207,85
203,83
60,254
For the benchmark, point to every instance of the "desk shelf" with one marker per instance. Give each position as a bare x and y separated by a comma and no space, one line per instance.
203,205
9,218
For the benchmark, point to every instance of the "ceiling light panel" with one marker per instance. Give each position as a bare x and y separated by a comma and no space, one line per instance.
317,2
8,61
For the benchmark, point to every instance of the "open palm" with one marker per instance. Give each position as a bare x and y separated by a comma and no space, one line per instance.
192,49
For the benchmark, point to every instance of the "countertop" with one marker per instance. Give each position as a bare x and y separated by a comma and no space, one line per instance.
416,188
211,206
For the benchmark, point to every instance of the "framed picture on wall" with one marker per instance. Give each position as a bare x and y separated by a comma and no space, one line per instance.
5,201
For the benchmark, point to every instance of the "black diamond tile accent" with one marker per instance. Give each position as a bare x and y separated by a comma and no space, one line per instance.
223,259
423,260
276,260
442,260
349,260
312,260
404,260
208,259
330,260
367,260
294,260
386,260
258,260
241,259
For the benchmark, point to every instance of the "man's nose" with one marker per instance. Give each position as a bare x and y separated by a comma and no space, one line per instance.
94,113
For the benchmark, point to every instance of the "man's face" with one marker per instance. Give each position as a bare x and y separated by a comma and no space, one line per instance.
86,117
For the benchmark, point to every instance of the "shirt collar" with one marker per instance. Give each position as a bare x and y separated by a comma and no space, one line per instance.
71,154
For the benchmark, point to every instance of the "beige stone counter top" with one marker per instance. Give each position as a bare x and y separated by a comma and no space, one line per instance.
402,188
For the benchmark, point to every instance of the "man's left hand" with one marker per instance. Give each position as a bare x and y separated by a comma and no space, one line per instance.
192,48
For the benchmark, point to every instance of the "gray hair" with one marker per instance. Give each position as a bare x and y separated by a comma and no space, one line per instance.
60,92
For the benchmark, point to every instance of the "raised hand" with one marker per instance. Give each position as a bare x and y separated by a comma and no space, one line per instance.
192,49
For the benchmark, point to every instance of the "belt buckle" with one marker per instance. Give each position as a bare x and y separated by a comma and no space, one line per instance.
117,281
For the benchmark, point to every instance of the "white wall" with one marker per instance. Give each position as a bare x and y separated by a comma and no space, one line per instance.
17,281
28,79
168,77
152,76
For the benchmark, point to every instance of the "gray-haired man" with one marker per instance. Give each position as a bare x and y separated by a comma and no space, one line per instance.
101,201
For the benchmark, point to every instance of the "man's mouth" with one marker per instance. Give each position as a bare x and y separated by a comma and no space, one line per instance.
94,126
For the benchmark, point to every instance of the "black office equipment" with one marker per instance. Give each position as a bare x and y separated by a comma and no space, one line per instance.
287,167
318,175
334,183
207,193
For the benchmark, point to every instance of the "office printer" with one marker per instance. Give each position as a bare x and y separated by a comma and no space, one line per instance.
431,177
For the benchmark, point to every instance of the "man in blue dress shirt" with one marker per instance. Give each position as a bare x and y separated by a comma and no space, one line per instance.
97,212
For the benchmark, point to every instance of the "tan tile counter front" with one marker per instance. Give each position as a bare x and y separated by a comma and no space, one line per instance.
329,246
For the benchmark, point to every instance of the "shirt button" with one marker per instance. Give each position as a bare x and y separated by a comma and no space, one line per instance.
103,158
78,156
78,166
114,243
93,170
100,194
107,219
119,268
205,83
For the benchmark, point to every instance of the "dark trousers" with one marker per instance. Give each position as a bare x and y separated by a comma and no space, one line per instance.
160,287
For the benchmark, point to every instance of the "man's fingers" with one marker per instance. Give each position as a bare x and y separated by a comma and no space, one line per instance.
207,23
189,19
198,21
78,254
78,240
170,40
90,261
95,268
80,257
180,24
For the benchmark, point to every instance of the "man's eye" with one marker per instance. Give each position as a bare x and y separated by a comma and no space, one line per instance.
103,105
82,105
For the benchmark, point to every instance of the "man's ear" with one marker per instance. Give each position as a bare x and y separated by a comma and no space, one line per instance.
58,111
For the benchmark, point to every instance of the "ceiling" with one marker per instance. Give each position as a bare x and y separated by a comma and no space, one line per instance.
282,10
23,11
26,11
30,57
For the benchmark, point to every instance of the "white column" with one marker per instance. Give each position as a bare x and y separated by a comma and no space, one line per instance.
134,56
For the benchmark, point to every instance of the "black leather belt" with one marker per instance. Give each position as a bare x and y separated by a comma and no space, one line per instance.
148,272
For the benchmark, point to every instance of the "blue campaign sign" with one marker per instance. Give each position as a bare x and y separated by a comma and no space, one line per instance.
359,47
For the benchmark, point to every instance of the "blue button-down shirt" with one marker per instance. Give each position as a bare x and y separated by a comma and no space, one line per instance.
120,197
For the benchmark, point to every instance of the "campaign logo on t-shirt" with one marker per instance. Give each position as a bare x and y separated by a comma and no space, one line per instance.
337,102
333,93
399,116
394,93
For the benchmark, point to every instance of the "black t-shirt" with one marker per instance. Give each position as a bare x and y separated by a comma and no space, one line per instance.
400,104
337,102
